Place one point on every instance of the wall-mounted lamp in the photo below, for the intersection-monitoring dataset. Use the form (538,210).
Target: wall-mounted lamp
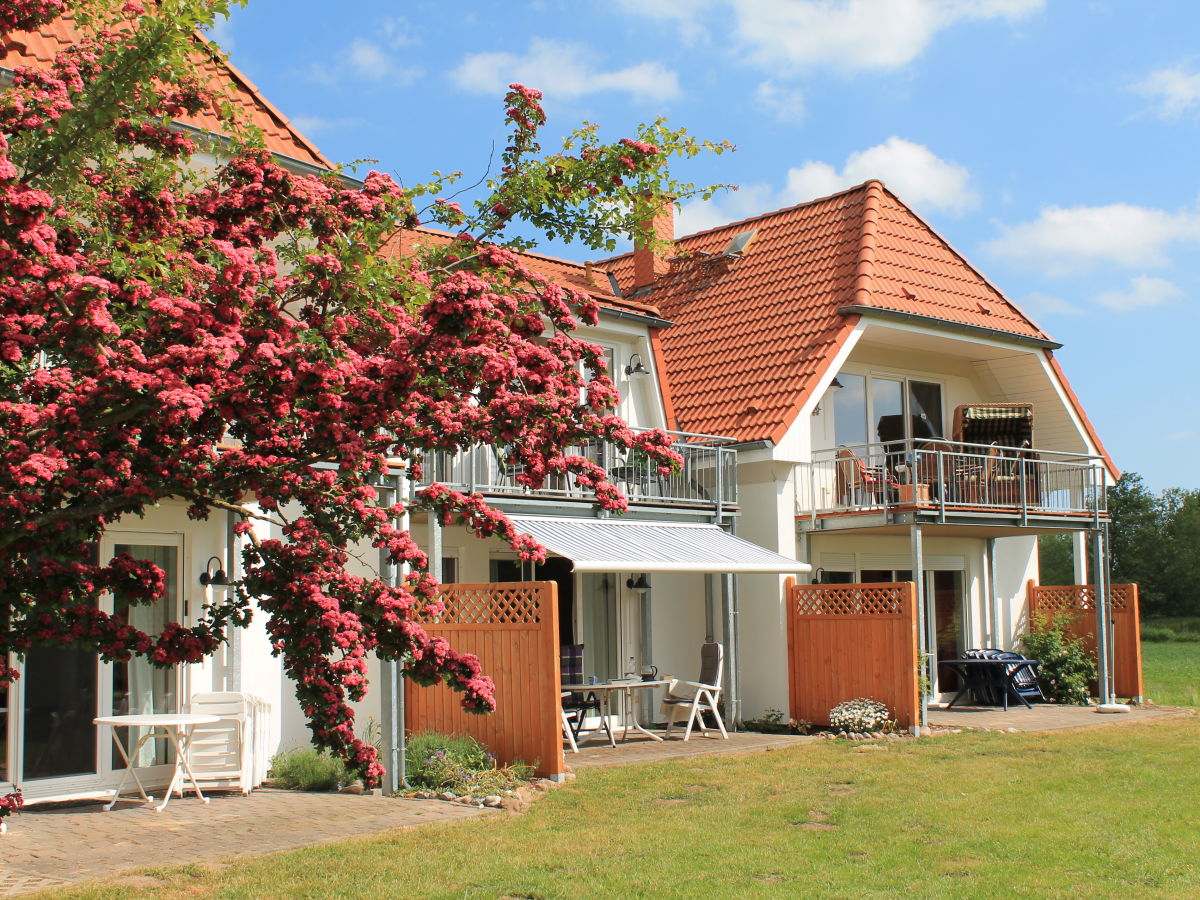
(641,583)
(637,368)
(834,385)
(211,576)
(818,576)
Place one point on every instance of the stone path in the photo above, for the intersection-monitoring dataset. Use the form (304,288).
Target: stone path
(1045,717)
(54,847)
(597,752)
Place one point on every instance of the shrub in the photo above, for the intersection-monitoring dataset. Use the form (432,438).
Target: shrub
(308,769)
(443,760)
(772,722)
(1156,634)
(859,715)
(1065,670)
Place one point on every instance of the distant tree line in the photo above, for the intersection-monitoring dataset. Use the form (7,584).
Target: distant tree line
(1155,543)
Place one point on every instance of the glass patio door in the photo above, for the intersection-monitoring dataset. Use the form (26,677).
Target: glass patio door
(61,690)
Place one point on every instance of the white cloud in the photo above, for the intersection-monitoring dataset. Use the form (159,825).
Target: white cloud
(310,125)
(221,32)
(844,34)
(1143,291)
(914,172)
(1175,90)
(1181,436)
(371,58)
(565,69)
(748,200)
(1060,241)
(918,175)
(786,104)
(1038,304)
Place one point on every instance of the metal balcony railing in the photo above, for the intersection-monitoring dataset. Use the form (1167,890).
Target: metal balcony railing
(925,474)
(707,478)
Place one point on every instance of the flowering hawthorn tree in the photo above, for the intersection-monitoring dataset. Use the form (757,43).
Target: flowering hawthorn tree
(240,337)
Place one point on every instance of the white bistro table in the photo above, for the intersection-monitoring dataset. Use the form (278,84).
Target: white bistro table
(604,694)
(175,727)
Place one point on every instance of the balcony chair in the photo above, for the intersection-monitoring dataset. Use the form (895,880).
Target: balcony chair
(1006,484)
(858,483)
(697,697)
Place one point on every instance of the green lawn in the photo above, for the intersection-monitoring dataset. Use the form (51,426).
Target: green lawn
(1171,673)
(1108,812)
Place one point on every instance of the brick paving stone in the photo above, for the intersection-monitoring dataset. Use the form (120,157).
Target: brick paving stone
(53,846)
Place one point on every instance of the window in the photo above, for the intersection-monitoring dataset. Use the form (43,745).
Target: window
(874,408)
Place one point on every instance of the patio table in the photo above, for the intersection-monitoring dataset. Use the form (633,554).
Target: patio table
(175,727)
(604,692)
(987,679)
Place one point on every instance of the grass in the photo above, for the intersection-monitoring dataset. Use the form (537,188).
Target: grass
(1100,813)
(1171,673)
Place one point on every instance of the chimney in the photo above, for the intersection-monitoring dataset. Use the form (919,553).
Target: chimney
(649,263)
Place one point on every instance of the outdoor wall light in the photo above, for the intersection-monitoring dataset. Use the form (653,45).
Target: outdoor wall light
(641,583)
(208,576)
(637,368)
(834,385)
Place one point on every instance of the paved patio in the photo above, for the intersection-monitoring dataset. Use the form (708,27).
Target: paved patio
(56,846)
(640,749)
(1045,717)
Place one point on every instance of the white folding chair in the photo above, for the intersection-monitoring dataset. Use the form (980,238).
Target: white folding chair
(697,697)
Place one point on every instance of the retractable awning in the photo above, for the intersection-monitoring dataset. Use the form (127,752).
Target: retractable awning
(607,546)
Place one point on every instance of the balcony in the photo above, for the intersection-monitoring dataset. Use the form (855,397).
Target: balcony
(706,480)
(936,480)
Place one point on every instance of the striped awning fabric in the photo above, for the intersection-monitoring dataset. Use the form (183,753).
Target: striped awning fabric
(998,412)
(606,546)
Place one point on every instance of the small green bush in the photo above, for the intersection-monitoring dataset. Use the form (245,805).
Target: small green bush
(772,722)
(1065,670)
(308,769)
(1155,634)
(440,760)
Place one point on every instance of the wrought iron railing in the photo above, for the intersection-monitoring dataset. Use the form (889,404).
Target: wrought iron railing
(942,475)
(708,476)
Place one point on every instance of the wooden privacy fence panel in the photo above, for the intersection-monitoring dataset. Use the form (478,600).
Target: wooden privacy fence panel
(513,629)
(1079,600)
(852,640)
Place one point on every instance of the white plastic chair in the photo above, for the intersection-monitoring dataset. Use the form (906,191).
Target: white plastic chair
(697,697)
(231,751)
(567,715)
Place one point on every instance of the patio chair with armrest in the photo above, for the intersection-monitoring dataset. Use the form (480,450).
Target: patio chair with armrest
(697,697)
(857,482)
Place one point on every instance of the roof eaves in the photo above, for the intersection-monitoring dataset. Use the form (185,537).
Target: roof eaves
(893,315)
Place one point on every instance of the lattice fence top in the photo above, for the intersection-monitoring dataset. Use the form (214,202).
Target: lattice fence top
(495,604)
(850,599)
(1079,597)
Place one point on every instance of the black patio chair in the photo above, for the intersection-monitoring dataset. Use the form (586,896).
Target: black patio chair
(1019,679)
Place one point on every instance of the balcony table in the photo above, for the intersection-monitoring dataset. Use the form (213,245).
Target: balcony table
(175,727)
(604,691)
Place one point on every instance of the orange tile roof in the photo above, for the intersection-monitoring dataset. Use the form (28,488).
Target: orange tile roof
(39,48)
(564,272)
(753,335)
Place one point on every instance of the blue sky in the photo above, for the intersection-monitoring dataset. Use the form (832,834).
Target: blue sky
(1052,142)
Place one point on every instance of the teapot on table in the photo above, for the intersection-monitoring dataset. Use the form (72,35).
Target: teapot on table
(649,673)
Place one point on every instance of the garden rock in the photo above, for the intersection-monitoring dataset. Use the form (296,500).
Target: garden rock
(493,801)
(447,795)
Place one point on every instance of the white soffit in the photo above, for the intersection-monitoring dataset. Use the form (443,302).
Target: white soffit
(607,546)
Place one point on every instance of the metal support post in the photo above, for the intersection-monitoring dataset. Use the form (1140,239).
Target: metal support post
(924,663)
(994,636)
(1103,675)
(732,685)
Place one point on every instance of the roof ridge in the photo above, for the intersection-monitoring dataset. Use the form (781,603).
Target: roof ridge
(864,273)
(962,259)
(763,215)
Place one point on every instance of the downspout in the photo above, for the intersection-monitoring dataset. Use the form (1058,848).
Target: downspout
(1101,573)
(233,676)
